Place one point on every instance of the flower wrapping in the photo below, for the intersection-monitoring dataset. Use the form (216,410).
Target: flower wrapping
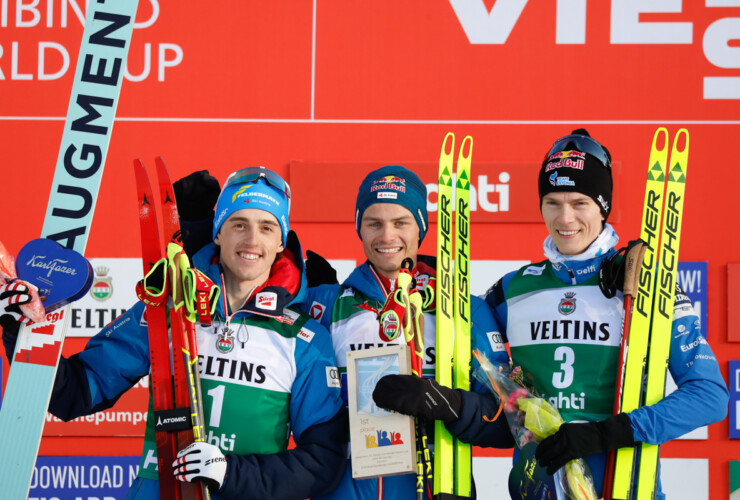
(531,418)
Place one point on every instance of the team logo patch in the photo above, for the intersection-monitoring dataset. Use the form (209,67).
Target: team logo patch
(390,325)
(497,341)
(422,281)
(560,181)
(387,196)
(567,154)
(567,304)
(389,183)
(604,204)
(305,334)
(565,163)
(102,287)
(266,300)
(284,319)
(534,270)
(224,343)
(240,191)
(332,377)
(566,159)
(317,311)
(288,317)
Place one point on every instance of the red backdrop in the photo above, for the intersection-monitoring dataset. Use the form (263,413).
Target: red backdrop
(318,89)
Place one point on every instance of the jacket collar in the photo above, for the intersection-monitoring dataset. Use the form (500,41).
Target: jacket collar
(285,285)
(371,284)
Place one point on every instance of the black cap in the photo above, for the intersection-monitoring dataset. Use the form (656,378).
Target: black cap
(578,163)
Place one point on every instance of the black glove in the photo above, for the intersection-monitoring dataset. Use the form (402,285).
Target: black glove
(611,270)
(319,271)
(573,441)
(418,397)
(196,195)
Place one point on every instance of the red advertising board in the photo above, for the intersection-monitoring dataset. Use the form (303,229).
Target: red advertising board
(322,91)
(499,192)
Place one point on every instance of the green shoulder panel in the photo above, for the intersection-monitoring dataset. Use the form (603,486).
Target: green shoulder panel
(350,302)
(538,276)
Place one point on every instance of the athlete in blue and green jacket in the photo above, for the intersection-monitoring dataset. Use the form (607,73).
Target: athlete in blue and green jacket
(565,333)
(391,220)
(266,368)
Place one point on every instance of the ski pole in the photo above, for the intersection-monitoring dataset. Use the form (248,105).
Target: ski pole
(183,339)
(633,264)
(414,336)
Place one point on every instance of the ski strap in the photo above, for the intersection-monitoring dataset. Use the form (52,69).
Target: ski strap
(430,295)
(201,295)
(152,289)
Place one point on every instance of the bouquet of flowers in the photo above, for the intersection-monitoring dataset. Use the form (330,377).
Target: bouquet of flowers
(531,419)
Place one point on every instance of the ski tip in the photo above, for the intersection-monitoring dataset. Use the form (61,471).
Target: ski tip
(467,145)
(681,142)
(448,145)
(660,137)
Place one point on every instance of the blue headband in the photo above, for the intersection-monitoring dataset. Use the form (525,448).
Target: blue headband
(397,185)
(258,188)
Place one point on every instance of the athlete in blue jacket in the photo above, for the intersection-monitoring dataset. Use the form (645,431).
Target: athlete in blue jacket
(566,333)
(266,368)
(391,221)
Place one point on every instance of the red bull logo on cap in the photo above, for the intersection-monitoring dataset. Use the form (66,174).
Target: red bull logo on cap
(566,159)
(390,182)
(567,154)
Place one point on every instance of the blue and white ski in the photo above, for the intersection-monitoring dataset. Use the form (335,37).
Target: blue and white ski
(79,169)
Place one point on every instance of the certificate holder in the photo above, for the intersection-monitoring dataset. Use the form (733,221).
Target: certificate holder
(383,443)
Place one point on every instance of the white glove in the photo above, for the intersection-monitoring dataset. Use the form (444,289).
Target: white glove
(12,296)
(201,462)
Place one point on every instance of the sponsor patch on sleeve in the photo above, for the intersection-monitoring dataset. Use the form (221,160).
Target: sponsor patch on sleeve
(305,334)
(317,310)
(534,270)
(497,341)
(332,377)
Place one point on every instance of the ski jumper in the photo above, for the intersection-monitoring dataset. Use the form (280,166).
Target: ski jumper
(566,334)
(274,375)
(350,313)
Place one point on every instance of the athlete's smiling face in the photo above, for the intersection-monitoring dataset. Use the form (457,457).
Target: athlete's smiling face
(250,239)
(389,235)
(573,220)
